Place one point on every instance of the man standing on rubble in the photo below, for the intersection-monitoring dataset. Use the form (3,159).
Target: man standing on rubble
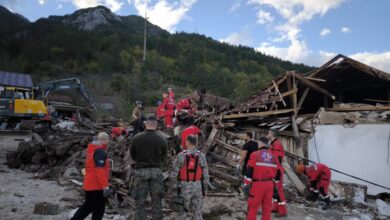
(319,180)
(148,149)
(137,117)
(96,177)
(249,147)
(258,182)
(190,174)
(278,151)
(169,107)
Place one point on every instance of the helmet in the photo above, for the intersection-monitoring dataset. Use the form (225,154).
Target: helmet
(138,102)
(300,168)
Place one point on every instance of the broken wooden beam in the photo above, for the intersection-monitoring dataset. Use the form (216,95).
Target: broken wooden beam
(294,178)
(258,114)
(278,91)
(228,147)
(314,86)
(302,99)
(222,159)
(362,108)
(224,176)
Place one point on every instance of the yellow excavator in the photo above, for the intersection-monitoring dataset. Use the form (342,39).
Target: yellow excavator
(24,108)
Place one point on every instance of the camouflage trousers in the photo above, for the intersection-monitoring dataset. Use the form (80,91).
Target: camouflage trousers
(148,180)
(193,200)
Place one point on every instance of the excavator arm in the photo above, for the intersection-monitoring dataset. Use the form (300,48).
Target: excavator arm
(67,84)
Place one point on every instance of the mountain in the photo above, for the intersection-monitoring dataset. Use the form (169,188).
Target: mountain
(10,22)
(106,50)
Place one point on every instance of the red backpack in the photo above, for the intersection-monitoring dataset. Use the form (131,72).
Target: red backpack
(191,170)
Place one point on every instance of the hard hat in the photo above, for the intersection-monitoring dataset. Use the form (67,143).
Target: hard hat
(138,102)
(300,168)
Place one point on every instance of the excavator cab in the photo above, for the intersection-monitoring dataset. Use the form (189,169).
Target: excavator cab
(18,104)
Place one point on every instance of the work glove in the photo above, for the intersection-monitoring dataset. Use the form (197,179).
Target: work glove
(107,192)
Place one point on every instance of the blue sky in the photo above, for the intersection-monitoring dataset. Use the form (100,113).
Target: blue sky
(307,31)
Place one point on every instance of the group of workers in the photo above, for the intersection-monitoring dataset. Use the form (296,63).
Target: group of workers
(261,164)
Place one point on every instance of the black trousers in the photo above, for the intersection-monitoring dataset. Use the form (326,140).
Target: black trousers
(94,203)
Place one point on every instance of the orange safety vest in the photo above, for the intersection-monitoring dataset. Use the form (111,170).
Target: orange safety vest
(191,170)
(96,178)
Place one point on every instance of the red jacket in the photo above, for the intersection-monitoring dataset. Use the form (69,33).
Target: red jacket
(160,111)
(169,104)
(192,130)
(171,95)
(262,166)
(117,131)
(97,168)
(317,172)
(277,150)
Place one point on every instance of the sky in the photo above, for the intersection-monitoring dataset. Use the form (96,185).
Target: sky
(302,31)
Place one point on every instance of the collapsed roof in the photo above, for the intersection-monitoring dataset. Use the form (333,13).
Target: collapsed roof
(15,79)
(341,80)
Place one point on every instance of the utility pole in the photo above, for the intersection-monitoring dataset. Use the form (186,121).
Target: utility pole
(145,27)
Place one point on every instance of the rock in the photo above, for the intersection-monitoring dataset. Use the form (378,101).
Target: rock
(12,160)
(71,172)
(37,138)
(18,195)
(44,208)
(217,210)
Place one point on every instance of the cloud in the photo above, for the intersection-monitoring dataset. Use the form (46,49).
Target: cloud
(236,5)
(345,30)
(41,2)
(59,6)
(264,17)
(114,5)
(294,13)
(325,32)
(162,13)
(239,38)
(378,60)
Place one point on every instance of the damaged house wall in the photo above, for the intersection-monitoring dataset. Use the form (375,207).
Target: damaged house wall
(360,151)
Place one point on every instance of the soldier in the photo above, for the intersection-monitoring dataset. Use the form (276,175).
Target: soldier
(148,149)
(192,174)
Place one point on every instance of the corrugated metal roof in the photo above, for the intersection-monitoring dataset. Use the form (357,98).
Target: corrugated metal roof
(16,79)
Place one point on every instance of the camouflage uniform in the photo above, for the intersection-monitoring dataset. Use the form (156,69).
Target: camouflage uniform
(191,191)
(148,180)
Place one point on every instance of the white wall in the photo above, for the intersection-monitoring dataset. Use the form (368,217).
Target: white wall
(360,151)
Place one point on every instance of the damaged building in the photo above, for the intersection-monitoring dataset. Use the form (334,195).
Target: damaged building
(338,114)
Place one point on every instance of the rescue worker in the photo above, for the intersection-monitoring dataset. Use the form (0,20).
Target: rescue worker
(169,108)
(191,130)
(160,113)
(184,106)
(191,173)
(249,147)
(262,171)
(137,117)
(118,131)
(171,93)
(319,176)
(96,175)
(277,149)
(148,149)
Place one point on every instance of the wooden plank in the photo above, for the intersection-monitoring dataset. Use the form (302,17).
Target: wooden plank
(294,178)
(222,159)
(224,176)
(363,108)
(278,91)
(302,99)
(290,92)
(209,141)
(294,95)
(257,114)
(315,79)
(278,82)
(314,86)
(228,147)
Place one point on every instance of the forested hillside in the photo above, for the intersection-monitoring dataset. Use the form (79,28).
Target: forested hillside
(106,51)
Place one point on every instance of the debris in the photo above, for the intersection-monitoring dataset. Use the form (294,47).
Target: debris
(44,208)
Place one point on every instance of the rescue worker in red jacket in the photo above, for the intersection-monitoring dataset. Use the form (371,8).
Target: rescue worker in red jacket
(160,111)
(118,131)
(278,150)
(184,106)
(171,93)
(190,131)
(261,173)
(95,185)
(319,176)
(169,108)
